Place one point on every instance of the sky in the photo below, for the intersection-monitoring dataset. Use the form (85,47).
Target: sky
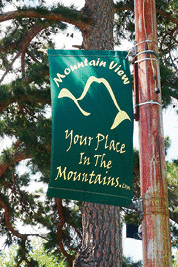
(132,248)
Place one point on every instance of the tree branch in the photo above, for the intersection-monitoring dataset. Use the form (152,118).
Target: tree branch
(9,67)
(18,156)
(23,45)
(39,99)
(167,15)
(60,14)
(23,62)
(60,226)
(15,232)
(7,219)
(23,257)
(173,216)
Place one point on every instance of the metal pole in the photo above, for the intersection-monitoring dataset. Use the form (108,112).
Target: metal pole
(155,225)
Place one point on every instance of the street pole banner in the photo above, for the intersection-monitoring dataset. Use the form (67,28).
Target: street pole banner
(92,126)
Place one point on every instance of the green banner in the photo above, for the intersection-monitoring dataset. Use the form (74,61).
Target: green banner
(92,126)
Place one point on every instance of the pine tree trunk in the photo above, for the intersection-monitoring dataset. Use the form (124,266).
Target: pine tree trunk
(102,241)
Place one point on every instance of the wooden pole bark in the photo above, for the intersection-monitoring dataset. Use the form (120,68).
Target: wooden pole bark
(155,226)
(102,239)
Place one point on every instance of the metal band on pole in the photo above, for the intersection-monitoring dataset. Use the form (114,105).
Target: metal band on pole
(149,102)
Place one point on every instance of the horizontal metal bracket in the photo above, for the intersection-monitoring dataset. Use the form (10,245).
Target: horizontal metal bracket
(145,41)
(152,52)
(147,58)
(149,102)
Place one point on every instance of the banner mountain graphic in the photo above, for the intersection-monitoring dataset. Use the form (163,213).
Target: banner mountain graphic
(121,115)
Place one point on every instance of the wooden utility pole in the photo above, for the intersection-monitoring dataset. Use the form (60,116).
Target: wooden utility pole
(154,193)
